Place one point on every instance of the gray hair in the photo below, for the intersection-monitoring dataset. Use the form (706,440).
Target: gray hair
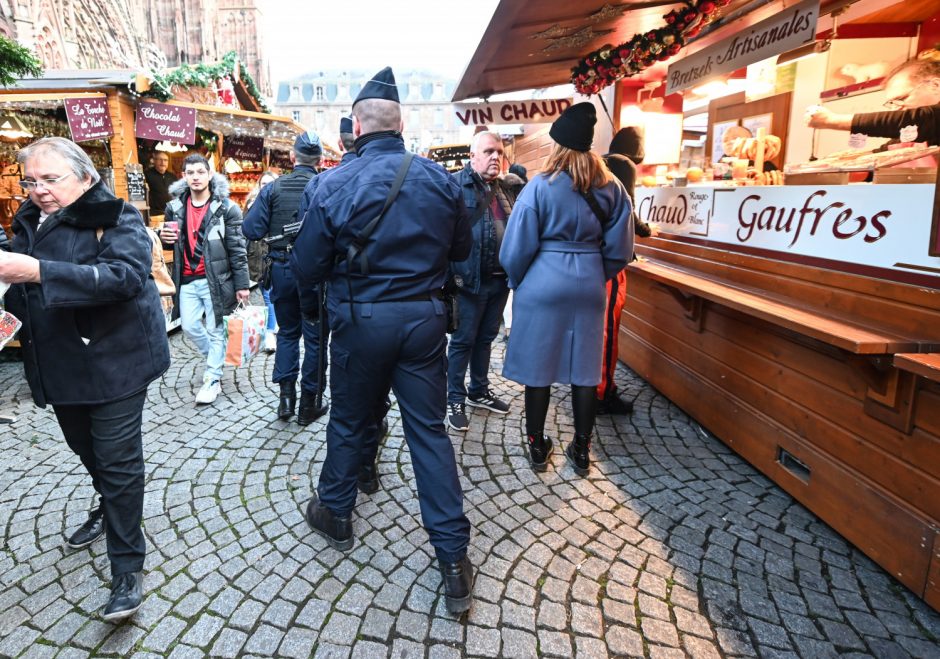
(475,143)
(78,160)
(375,114)
(309,161)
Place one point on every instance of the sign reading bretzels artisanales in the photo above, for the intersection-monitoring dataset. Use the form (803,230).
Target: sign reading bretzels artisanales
(792,27)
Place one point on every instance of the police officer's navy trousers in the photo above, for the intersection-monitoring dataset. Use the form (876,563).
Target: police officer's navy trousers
(107,439)
(398,345)
(291,328)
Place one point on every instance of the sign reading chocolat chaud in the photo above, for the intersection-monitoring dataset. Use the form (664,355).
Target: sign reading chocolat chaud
(538,111)
(88,118)
(243,147)
(785,30)
(159,121)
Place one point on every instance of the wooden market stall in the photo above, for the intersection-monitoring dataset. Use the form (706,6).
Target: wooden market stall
(799,323)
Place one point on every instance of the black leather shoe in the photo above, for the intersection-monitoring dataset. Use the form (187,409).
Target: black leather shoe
(579,452)
(540,449)
(614,405)
(127,594)
(458,584)
(91,530)
(287,401)
(336,530)
(308,412)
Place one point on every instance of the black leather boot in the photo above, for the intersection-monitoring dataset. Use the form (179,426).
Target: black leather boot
(336,530)
(579,452)
(308,412)
(458,584)
(369,472)
(287,401)
(126,596)
(540,449)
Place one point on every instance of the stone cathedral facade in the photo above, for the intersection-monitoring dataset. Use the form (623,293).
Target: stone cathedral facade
(154,34)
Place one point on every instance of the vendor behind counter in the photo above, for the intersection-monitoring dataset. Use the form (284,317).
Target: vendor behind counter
(913,91)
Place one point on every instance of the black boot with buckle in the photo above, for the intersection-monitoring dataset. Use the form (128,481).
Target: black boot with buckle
(287,401)
(579,452)
(540,450)
(309,411)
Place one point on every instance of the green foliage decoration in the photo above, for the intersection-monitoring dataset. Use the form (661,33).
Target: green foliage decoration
(16,61)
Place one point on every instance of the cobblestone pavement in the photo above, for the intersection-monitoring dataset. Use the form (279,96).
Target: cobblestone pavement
(672,547)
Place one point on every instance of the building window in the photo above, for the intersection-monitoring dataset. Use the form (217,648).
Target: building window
(415,121)
(321,119)
(295,93)
(295,115)
(439,118)
(319,93)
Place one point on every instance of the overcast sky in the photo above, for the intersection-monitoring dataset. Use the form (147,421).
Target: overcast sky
(314,35)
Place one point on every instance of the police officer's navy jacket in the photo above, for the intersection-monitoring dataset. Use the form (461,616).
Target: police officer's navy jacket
(408,252)
(274,214)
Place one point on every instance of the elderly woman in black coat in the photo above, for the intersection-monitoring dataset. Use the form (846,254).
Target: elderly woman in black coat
(93,338)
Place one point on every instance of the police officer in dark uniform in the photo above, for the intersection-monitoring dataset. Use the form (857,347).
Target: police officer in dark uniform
(347,141)
(388,322)
(274,217)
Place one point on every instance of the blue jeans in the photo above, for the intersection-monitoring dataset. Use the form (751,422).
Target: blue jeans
(472,342)
(272,319)
(209,338)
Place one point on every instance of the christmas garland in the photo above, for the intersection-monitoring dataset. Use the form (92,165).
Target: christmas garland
(608,64)
(202,75)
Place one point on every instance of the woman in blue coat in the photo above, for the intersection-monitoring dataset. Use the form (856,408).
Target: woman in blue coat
(559,253)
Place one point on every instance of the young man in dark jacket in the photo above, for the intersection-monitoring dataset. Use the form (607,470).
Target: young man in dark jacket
(210,264)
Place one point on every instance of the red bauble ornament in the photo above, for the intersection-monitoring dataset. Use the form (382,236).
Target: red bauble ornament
(707,7)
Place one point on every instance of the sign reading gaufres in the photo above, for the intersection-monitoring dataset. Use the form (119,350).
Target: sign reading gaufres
(160,121)
(540,111)
(881,230)
(792,27)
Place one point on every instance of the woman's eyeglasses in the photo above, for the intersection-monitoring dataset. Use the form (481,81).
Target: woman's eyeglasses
(43,182)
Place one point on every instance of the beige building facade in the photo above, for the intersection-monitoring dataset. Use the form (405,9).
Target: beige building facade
(320,99)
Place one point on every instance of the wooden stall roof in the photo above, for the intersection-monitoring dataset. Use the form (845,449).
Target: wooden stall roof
(277,129)
(532,45)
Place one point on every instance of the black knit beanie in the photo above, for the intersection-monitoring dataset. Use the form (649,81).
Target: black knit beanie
(574,129)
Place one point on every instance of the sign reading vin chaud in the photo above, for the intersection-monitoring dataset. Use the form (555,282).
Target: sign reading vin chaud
(781,32)
(533,111)
(882,230)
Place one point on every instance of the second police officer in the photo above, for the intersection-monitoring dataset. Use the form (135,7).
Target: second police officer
(274,218)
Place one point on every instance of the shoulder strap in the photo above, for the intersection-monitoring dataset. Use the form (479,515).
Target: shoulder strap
(357,246)
(596,208)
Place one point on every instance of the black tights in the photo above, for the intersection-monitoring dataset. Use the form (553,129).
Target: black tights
(583,400)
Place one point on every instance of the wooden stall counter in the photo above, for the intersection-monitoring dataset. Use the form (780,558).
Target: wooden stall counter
(767,315)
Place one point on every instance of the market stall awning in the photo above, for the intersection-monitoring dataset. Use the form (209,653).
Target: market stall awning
(532,45)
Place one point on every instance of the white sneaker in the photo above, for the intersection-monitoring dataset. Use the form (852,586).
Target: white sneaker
(209,392)
(270,341)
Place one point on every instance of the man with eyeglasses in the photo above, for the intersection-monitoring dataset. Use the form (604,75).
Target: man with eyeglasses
(913,92)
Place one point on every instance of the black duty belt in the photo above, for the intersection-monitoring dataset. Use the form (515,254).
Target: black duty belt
(420,297)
